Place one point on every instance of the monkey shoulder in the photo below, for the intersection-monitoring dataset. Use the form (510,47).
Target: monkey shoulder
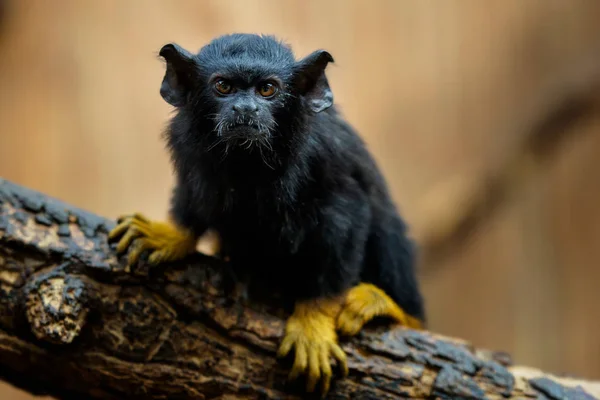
(344,160)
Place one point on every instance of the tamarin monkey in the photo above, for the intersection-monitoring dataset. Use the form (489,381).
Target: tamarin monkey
(262,157)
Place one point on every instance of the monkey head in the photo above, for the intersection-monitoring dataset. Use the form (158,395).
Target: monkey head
(245,89)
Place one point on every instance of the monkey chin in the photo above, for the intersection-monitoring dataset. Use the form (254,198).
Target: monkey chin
(243,131)
(247,137)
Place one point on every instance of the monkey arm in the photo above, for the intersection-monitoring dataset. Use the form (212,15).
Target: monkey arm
(165,240)
(334,253)
(389,285)
(330,259)
(365,302)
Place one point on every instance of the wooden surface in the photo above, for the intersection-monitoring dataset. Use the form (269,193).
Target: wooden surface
(75,322)
(435,88)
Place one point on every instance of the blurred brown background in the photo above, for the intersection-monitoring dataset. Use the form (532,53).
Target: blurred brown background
(441,92)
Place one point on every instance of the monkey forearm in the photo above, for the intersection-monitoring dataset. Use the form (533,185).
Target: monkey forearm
(166,241)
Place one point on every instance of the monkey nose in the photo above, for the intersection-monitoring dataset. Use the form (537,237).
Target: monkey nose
(245,108)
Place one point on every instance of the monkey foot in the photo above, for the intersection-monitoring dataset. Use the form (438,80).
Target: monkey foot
(365,302)
(164,240)
(311,331)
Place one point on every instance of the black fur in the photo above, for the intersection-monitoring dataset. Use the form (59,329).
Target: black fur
(298,201)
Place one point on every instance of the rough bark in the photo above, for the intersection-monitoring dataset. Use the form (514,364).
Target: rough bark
(74,323)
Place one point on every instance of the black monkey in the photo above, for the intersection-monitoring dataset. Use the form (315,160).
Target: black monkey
(262,157)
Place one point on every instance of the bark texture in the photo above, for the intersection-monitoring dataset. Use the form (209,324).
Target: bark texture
(75,323)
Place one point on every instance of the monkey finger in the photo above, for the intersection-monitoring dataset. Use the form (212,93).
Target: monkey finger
(142,227)
(414,323)
(340,356)
(285,346)
(345,321)
(132,217)
(158,256)
(140,217)
(400,317)
(118,230)
(122,218)
(300,362)
(126,240)
(136,250)
(351,326)
(325,372)
(314,372)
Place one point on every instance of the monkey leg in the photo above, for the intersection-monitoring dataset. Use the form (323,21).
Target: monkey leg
(365,302)
(164,240)
(311,331)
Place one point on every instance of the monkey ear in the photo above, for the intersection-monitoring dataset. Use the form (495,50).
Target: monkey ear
(178,75)
(312,82)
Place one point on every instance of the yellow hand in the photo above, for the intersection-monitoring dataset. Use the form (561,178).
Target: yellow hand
(311,331)
(365,302)
(166,241)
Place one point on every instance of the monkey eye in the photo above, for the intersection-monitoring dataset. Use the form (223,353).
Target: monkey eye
(267,89)
(223,86)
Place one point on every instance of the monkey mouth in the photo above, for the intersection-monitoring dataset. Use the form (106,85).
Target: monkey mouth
(240,132)
(248,135)
(242,128)
(246,125)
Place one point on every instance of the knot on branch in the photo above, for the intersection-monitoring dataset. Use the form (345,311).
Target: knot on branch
(55,307)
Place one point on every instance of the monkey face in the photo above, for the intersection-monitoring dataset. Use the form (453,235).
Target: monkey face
(246,106)
(245,89)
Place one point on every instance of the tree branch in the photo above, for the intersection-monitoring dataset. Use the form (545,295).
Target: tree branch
(75,323)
